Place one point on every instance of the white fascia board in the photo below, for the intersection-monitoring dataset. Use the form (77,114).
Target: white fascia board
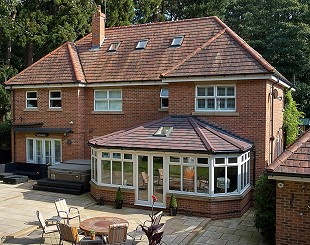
(91,85)
(284,84)
(217,78)
(288,178)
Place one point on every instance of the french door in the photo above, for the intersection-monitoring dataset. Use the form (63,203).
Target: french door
(43,151)
(150,180)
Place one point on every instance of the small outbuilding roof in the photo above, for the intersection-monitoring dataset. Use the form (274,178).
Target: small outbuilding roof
(184,134)
(295,161)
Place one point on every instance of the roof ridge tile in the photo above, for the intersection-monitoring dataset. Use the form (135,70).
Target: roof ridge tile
(203,138)
(79,77)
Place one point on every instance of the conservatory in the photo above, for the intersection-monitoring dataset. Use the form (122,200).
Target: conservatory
(180,155)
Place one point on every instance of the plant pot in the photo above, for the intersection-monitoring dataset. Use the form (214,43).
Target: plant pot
(119,204)
(173,211)
(92,236)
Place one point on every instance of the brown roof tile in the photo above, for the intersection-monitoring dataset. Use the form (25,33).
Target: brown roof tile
(294,160)
(60,66)
(209,48)
(189,134)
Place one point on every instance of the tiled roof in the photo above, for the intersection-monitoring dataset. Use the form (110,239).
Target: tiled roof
(209,48)
(295,160)
(60,66)
(188,134)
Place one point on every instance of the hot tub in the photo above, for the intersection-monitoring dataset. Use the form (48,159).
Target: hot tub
(77,170)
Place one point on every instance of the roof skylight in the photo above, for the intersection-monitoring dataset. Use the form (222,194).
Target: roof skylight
(163,131)
(142,44)
(114,46)
(177,41)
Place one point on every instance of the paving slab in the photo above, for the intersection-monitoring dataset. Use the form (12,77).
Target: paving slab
(19,224)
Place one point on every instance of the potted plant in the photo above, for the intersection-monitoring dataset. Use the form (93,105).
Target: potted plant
(173,205)
(119,199)
(92,235)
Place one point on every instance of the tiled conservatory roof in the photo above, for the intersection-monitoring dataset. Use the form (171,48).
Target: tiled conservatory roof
(188,134)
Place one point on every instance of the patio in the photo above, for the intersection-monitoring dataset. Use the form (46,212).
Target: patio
(20,226)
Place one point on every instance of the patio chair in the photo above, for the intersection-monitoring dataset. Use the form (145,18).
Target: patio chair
(117,234)
(69,234)
(66,212)
(145,179)
(46,229)
(161,175)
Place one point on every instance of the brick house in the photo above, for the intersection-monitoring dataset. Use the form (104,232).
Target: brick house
(291,171)
(198,71)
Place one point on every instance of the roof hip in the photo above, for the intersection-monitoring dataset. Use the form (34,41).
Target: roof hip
(195,52)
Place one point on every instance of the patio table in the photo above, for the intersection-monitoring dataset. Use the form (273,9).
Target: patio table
(100,224)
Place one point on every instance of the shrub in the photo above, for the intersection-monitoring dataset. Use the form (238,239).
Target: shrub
(119,195)
(173,202)
(265,208)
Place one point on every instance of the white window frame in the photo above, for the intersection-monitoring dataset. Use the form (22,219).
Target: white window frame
(215,97)
(55,98)
(108,99)
(123,161)
(34,150)
(162,96)
(28,99)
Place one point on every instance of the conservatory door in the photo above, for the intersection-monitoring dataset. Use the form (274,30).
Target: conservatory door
(150,179)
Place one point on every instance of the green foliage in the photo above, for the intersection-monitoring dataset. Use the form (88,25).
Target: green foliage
(119,195)
(5,135)
(173,202)
(119,13)
(302,96)
(265,208)
(291,119)
(4,101)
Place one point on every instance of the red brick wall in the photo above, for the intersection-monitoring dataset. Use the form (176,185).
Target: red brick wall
(216,208)
(293,214)
(140,105)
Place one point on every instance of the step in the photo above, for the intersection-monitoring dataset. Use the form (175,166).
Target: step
(57,189)
(61,184)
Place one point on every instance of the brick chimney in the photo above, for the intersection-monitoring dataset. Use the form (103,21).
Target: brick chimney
(98,28)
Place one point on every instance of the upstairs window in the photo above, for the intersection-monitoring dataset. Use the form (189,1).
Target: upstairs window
(177,41)
(108,100)
(164,98)
(31,99)
(142,44)
(114,46)
(55,99)
(216,98)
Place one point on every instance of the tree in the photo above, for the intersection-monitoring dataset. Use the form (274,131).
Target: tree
(119,13)
(148,11)
(265,208)
(279,30)
(291,119)
(4,101)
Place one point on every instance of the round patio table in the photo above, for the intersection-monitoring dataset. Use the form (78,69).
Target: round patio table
(100,224)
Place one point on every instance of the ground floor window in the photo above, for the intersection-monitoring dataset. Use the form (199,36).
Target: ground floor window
(43,151)
(117,168)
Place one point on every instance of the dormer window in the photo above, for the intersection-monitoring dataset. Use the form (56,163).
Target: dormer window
(142,44)
(114,46)
(177,41)
(163,131)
